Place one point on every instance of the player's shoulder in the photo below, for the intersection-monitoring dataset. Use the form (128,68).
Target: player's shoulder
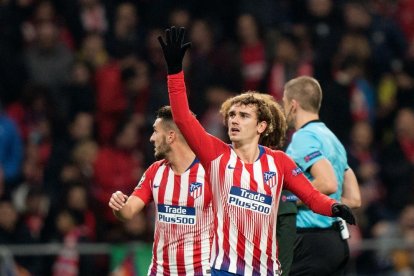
(157,164)
(305,132)
(304,137)
(275,152)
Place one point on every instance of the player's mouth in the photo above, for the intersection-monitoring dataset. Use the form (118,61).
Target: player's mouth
(234,130)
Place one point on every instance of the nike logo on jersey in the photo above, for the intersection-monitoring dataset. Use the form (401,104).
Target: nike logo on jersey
(156,186)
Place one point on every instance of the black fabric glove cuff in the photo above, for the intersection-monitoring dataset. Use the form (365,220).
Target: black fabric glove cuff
(172,70)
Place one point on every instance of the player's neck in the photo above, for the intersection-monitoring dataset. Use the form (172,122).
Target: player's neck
(247,153)
(304,117)
(180,159)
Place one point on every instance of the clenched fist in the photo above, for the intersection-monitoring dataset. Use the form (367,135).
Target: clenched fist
(117,200)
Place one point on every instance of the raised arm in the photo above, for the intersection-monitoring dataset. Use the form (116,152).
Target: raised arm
(205,146)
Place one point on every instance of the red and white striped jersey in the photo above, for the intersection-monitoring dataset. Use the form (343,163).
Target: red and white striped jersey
(245,196)
(184,218)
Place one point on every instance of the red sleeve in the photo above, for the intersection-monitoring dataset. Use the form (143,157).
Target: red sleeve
(204,145)
(296,182)
(143,190)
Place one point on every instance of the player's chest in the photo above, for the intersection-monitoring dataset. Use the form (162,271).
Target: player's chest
(252,177)
(188,189)
(251,186)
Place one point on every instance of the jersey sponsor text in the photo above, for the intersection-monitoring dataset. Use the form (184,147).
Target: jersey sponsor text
(247,199)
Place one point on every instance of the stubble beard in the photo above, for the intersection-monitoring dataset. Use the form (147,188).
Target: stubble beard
(162,150)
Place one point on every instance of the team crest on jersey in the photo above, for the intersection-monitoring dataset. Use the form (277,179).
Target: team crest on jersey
(196,189)
(269,178)
(140,182)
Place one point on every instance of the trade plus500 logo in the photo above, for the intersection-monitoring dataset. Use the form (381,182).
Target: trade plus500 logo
(176,214)
(250,200)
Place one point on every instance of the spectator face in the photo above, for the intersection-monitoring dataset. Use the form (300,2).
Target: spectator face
(405,124)
(201,35)
(320,8)
(180,17)
(286,51)
(356,17)
(77,198)
(82,126)
(84,154)
(80,74)
(247,29)
(64,222)
(44,12)
(362,135)
(8,216)
(126,17)
(128,138)
(47,35)
(407,219)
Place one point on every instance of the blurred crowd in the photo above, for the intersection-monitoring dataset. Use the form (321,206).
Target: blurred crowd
(80,82)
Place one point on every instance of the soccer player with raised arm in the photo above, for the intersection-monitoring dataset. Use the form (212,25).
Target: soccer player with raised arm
(178,185)
(246,178)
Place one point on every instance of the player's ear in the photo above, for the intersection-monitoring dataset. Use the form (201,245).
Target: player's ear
(171,136)
(295,104)
(261,127)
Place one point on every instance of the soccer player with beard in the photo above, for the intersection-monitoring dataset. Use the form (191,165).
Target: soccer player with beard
(178,185)
(246,178)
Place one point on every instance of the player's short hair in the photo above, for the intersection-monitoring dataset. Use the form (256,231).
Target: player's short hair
(306,91)
(165,114)
(267,109)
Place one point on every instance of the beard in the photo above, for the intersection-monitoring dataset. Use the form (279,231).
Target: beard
(162,150)
(290,121)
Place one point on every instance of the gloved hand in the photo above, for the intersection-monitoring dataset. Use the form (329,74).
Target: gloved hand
(174,49)
(343,211)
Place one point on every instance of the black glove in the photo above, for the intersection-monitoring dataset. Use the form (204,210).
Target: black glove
(343,211)
(174,49)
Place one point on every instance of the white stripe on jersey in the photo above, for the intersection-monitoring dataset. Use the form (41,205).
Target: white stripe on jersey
(217,201)
(160,241)
(184,224)
(255,223)
(272,167)
(233,238)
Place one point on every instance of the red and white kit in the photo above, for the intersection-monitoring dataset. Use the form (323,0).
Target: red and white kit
(184,217)
(245,196)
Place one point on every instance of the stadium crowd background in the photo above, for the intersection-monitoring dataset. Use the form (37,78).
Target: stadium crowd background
(80,82)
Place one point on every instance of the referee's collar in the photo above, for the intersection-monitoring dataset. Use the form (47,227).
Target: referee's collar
(310,122)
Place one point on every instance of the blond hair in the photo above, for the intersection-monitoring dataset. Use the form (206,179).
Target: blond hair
(306,91)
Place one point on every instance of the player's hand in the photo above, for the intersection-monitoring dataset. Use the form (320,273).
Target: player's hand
(343,211)
(174,49)
(117,201)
